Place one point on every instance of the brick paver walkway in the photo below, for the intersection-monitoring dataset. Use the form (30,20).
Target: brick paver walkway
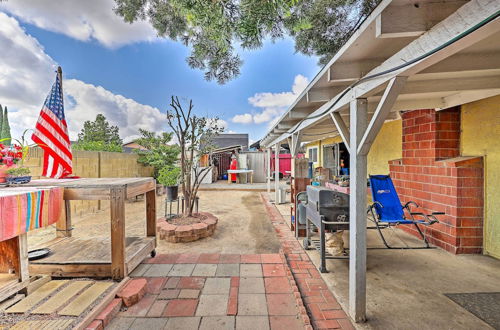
(214,291)
(232,291)
(322,307)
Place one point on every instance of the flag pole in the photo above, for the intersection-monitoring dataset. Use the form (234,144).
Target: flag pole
(59,74)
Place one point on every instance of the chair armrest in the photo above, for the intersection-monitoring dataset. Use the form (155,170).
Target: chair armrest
(429,219)
(407,205)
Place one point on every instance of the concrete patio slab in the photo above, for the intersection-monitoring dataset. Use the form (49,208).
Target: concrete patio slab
(217,322)
(217,286)
(252,304)
(212,305)
(252,323)
(228,270)
(252,285)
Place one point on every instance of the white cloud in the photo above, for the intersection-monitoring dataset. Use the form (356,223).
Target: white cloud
(82,20)
(27,73)
(123,112)
(243,119)
(271,105)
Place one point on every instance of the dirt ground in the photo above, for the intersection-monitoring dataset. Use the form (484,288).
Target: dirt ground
(243,225)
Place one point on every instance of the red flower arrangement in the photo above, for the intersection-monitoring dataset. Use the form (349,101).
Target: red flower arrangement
(10,155)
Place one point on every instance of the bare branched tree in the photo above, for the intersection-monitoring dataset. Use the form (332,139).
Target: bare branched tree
(195,135)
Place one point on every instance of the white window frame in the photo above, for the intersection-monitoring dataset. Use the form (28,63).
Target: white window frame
(313,151)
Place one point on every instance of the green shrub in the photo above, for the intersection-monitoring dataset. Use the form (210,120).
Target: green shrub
(18,171)
(169,176)
(97,146)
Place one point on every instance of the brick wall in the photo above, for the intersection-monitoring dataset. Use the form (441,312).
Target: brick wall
(433,174)
(93,164)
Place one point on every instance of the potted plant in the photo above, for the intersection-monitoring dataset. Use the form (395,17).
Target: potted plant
(9,156)
(17,175)
(169,176)
(157,151)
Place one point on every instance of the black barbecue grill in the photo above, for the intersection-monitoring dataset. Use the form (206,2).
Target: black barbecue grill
(327,210)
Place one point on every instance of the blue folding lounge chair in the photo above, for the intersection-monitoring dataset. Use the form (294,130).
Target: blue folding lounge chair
(388,211)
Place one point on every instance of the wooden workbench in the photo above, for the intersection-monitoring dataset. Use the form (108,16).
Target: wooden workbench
(113,257)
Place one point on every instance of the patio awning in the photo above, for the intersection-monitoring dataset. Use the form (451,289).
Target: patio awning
(404,56)
(448,51)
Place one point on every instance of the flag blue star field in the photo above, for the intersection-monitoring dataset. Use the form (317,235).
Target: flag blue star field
(51,134)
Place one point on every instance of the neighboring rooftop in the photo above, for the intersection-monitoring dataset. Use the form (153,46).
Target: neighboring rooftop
(229,140)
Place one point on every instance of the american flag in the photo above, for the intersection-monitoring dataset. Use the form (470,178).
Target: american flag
(51,134)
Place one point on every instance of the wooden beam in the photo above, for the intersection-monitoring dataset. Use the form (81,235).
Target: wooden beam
(284,126)
(414,19)
(323,94)
(466,62)
(341,128)
(452,83)
(345,73)
(384,107)
(357,213)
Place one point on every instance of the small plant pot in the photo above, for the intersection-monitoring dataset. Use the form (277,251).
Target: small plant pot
(18,179)
(172,193)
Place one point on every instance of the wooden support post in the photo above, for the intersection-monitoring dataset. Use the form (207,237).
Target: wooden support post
(276,172)
(268,159)
(151,213)
(357,212)
(341,127)
(23,257)
(385,105)
(117,205)
(63,225)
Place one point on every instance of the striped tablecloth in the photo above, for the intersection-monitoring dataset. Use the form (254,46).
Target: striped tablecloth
(26,208)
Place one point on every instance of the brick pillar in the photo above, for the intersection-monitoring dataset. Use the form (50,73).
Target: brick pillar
(433,174)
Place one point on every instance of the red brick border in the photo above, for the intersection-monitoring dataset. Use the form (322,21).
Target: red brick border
(188,233)
(316,303)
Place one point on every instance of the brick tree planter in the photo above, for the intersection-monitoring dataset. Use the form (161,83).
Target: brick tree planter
(187,233)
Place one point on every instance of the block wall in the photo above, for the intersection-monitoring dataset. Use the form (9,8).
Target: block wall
(93,164)
(434,175)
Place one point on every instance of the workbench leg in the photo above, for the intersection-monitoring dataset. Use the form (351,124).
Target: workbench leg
(23,257)
(117,205)
(63,225)
(151,213)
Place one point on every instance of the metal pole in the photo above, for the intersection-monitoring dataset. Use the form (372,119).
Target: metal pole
(268,160)
(276,172)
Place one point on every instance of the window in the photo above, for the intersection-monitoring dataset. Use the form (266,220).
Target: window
(313,155)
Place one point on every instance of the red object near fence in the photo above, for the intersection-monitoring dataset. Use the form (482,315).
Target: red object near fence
(285,163)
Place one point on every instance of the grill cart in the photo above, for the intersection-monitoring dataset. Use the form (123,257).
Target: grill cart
(326,210)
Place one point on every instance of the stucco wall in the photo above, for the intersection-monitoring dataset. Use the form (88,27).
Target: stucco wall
(387,146)
(480,137)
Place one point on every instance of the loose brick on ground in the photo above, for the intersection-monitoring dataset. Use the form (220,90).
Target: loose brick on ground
(133,291)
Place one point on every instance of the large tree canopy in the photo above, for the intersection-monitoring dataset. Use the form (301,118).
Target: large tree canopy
(215,28)
(99,135)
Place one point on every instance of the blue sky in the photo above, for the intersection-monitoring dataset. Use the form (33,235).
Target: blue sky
(143,73)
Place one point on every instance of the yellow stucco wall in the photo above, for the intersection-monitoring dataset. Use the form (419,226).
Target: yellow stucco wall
(387,146)
(480,137)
